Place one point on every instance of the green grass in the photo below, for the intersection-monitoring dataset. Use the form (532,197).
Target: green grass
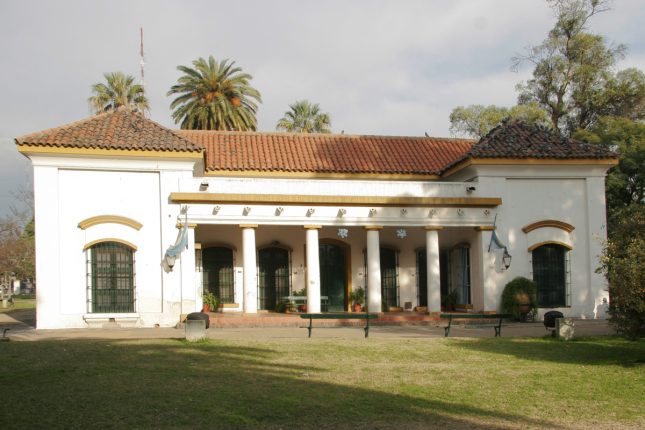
(323,383)
(21,302)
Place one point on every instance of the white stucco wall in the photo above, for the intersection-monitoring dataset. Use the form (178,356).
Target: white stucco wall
(69,190)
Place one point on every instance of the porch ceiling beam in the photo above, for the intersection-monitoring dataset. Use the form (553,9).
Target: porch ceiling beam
(288,199)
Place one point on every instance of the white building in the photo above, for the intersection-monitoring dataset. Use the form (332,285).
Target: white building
(408,218)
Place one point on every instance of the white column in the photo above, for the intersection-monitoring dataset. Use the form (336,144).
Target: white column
(433,272)
(250,269)
(313,269)
(373,269)
(190,300)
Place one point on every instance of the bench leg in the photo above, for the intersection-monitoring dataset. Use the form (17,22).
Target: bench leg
(367,327)
(498,329)
(447,329)
(309,328)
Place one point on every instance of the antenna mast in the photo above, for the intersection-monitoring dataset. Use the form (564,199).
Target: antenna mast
(142,62)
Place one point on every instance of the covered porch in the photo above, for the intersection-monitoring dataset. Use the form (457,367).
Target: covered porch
(407,258)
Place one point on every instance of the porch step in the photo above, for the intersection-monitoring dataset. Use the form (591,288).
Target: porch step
(235,320)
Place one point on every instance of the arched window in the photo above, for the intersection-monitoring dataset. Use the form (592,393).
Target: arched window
(110,277)
(550,273)
(218,273)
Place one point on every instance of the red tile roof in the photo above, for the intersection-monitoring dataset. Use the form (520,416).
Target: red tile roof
(326,153)
(120,129)
(229,151)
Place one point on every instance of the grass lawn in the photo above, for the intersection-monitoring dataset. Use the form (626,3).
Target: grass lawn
(324,383)
(21,302)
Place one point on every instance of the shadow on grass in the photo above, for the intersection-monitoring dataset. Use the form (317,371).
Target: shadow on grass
(607,350)
(173,384)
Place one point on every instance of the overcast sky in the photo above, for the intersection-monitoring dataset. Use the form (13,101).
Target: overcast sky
(378,67)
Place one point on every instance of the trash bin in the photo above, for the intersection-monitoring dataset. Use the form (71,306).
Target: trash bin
(199,316)
(549,319)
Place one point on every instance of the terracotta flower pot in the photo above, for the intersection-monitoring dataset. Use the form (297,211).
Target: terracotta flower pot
(357,307)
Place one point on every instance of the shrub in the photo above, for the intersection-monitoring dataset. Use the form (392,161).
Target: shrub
(622,261)
(520,291)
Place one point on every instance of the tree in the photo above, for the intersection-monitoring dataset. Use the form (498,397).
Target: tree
(478,120)
(214,96)
(305,117)
(17,240)
(626,181)
(622,261)
(118,91)
(572,67)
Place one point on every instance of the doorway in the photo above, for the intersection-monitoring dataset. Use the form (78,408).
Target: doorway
(273,276)
(333,275)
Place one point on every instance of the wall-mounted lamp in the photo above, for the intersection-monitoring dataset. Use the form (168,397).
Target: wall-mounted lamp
(404,212)
(470,189)
(372,212)
(203,186)
(341,212)
(432,213)
(279,210)
(310,211)
(506,259)
(216,210)
(246,210)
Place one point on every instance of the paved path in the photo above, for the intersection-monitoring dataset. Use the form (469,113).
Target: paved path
(20,323)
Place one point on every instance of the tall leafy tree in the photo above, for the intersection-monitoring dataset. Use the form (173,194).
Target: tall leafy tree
(626,181)
(477,120)
(305,117)
(572,67)
(119,90)
(214,96)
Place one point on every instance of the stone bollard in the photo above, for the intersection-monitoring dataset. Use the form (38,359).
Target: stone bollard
(195,330)
(564,328)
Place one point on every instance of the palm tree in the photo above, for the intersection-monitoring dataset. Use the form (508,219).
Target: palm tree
(119,91)
(214,96)
(305,117)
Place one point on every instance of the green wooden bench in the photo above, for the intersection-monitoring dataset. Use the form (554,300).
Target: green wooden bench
(497,326)
(340,316)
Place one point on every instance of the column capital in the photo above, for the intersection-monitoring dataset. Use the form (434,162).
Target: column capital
(373,227)
(312,227)
(248,226)
(484,228)
(432,228)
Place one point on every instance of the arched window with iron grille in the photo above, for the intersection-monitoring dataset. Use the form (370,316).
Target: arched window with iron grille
(110,278)
(550,273)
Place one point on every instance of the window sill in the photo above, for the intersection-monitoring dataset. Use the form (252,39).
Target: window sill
(123,320)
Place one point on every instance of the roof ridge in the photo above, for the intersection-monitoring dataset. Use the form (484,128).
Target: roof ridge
(318,135)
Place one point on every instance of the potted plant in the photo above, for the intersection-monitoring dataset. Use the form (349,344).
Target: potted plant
(448,301)
(357,297)
(519,298)
(301,293)
(210,302)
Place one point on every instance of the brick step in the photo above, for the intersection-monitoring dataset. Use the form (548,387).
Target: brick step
(238,320)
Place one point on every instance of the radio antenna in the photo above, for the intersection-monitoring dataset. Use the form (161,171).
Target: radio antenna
(142,62)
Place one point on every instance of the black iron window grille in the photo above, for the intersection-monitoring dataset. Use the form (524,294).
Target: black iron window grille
(551,273)
(218,274)
(110,278)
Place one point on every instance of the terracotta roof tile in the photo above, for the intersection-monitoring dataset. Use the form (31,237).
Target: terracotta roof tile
(326,153)
(120,129)
(514,139)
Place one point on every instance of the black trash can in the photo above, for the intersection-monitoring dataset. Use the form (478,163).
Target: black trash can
(199,316)
(549,319)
